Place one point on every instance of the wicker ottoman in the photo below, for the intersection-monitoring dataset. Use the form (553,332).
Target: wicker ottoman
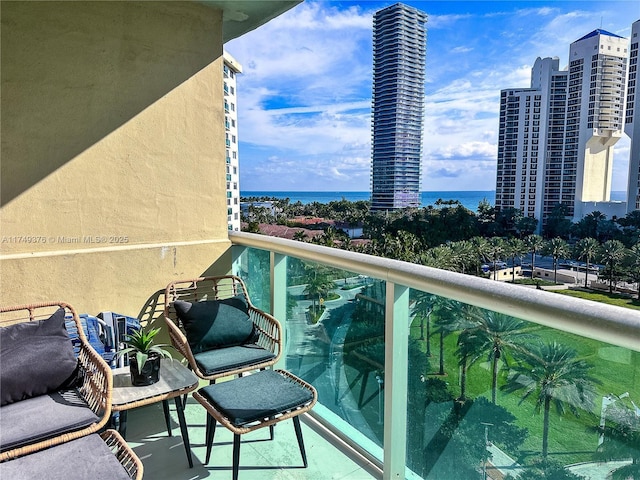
(255,401)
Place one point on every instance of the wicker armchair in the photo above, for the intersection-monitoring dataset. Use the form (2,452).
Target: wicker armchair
(54,426)
(262,352)
(104,455)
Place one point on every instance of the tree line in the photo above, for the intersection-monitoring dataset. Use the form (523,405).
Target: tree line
(450,236)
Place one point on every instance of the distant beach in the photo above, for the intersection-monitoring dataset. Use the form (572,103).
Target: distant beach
(469,199)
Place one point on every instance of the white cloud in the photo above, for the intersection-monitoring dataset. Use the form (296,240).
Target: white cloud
(305,94)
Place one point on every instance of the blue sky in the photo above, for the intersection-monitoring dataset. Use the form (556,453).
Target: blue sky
(304,98)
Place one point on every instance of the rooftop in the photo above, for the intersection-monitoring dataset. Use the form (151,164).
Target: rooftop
(598,31)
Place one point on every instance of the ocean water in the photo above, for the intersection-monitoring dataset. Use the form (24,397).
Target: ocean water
(469,199)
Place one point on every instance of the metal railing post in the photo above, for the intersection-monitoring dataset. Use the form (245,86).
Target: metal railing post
(396,338)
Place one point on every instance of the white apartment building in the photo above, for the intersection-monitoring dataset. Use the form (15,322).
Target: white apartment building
(632,122)
(231,69)
(556,138)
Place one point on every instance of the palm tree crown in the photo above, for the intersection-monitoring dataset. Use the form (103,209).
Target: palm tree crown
(494,334)
(552,372)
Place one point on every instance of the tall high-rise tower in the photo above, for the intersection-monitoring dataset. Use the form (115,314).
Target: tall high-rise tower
(399,53)
(632,121)
(556,138)
(230,69)
(595,108)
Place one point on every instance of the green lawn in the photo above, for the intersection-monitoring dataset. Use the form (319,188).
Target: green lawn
(604,297)
(571,438)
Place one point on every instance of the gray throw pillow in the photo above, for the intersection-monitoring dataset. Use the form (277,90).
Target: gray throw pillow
(36,357)
(215,324)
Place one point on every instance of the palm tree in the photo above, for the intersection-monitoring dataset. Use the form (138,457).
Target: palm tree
(633,264)
(464,255)
(494,335)
(495,250)
(587,249)
(552,373)
(447,321)
(612,253)
(514,247)
(466,345)
(534,243)
(557,248)
(423,307)
(300,235)
(480,247)
(318,284)
(441,257)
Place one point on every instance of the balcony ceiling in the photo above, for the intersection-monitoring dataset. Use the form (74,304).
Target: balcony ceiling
(242,16)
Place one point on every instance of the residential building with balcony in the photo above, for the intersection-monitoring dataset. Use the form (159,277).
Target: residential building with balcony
(231,69)
(556,139)
(399,55)
(112,187)
(632,121)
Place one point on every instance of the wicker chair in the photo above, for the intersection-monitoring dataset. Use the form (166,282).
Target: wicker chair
(261,353)
(104,456)
(92,394)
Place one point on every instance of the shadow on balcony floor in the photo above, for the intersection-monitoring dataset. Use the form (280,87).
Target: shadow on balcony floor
(260,459)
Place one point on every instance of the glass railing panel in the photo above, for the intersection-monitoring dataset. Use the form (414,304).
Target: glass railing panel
(253,266)
(500,396)
(460,422)
(334,331)
(335,341)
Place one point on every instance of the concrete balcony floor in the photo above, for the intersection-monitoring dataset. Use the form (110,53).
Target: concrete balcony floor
(164,457)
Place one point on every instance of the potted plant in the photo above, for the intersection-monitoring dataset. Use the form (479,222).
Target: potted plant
(145,364)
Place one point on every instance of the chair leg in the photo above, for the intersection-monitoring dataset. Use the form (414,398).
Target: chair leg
(183,430)
(167,419)
(211,430)
(296,425)
(236,455)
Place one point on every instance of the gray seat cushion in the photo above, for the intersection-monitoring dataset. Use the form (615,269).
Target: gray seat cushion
(43,417)
(223,359)
(254,397)
(82,459)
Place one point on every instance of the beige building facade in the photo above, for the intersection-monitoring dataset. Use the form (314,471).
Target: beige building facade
(113,154)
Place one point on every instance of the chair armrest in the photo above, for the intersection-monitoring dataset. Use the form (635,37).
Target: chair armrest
(127,458)
(97,385)
(180,343)
(269,331)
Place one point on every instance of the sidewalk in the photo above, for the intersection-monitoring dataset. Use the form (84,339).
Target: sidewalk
(503,463)
(596,471)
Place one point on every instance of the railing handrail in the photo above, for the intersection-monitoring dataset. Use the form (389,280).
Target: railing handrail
(608,323)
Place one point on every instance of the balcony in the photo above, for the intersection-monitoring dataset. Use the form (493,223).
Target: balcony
(366,357)
(370,377)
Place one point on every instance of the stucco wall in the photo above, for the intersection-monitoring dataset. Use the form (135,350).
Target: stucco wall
(112,171)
